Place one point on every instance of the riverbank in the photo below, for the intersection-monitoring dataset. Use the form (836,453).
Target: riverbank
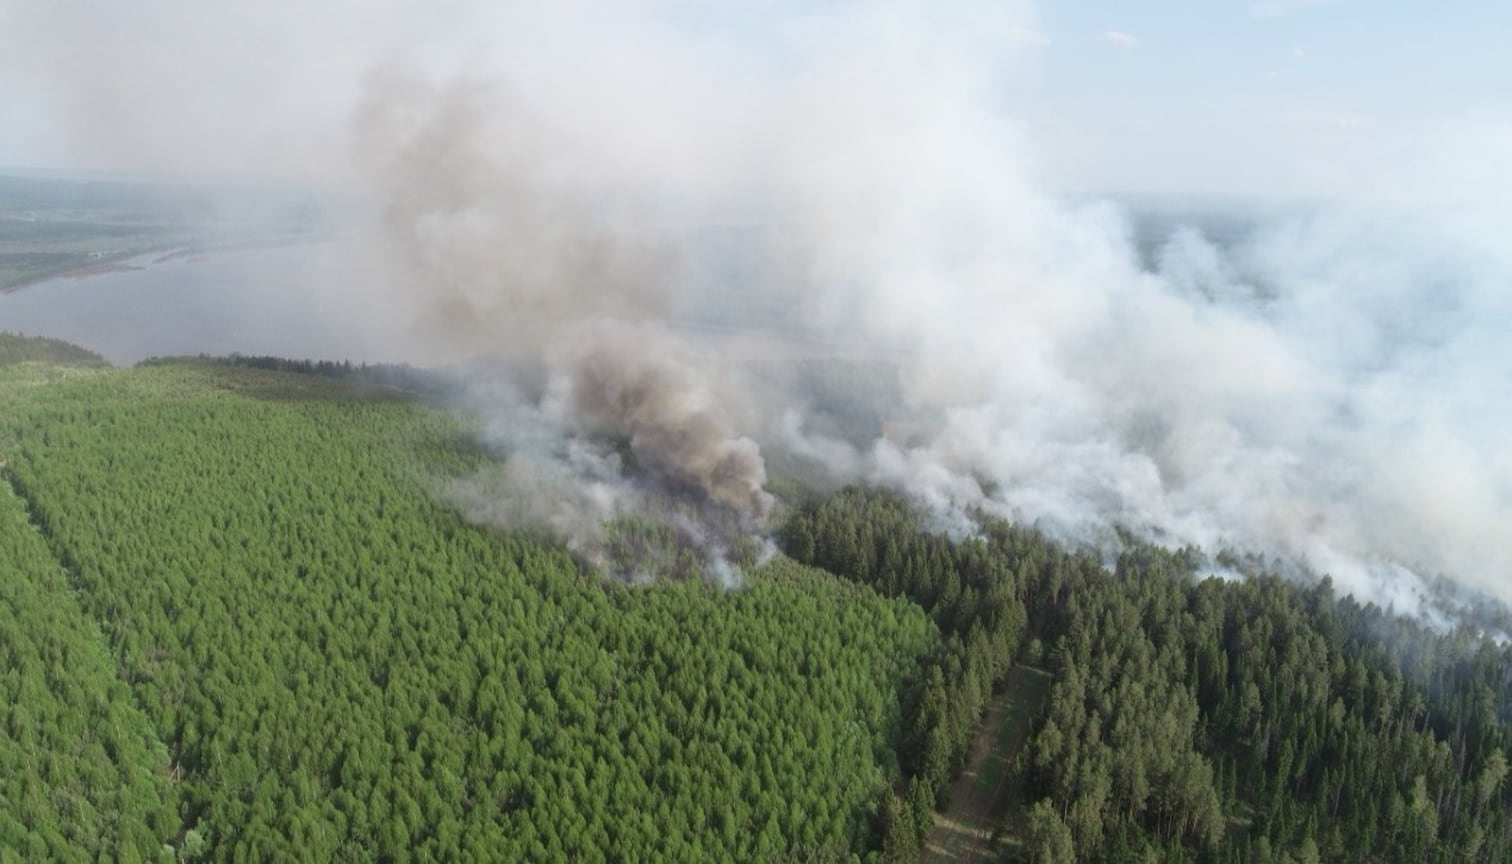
(142,258)
(95,267)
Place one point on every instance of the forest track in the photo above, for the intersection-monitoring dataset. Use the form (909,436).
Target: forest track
(963,832)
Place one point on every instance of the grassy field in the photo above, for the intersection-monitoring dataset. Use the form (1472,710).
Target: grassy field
(978,800)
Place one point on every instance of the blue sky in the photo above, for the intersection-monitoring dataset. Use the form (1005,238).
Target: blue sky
(1287,96)
(1309,98)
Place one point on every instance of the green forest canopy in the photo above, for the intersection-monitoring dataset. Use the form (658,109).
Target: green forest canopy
(333,665)
(236,619)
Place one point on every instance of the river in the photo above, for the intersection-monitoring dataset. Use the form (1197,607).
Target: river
(304,301)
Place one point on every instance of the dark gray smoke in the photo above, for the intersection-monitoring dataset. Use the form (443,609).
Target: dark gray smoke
(505,255)
(639,383)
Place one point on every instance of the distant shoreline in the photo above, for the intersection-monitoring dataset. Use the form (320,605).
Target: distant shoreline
(98,267)
(121,262)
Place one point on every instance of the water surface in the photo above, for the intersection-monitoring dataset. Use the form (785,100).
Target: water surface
(295,301)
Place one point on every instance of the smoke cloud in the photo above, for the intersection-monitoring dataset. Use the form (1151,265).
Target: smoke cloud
(505,254)
(659,225)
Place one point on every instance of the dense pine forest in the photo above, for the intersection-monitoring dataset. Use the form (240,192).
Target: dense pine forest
(244,625)
(1190,718)
(240,620)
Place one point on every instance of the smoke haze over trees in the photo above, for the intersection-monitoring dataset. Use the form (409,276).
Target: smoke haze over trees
(1327,386)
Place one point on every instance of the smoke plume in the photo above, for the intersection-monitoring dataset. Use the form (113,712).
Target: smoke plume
(685,246)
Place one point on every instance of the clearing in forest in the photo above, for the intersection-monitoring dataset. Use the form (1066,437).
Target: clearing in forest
(963,831)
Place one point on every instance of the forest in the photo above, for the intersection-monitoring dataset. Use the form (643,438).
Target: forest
(1189,719)
(240,620)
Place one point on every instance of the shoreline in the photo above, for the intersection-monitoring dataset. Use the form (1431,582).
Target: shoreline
(94,268)
(123,262)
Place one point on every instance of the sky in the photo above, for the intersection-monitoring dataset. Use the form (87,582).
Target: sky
(1296,97)
(1292,98)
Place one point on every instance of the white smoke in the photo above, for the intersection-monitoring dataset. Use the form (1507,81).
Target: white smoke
(1331,386)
